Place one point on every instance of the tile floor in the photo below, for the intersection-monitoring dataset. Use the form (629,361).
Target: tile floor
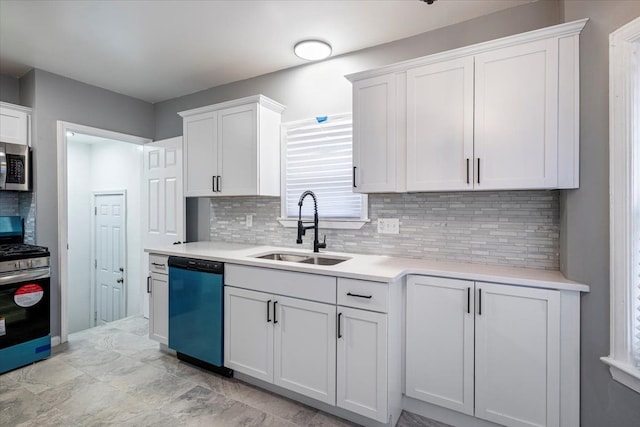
(115,375)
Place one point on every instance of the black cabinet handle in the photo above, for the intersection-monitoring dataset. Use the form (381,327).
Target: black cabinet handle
(468,300)
(268,317)
(339,325)
(359,296)
(148,284)
(478,170)
(274,312)
(479,302)
(219,180)
(467,171)
(354,177)
(157,265)
(213,184)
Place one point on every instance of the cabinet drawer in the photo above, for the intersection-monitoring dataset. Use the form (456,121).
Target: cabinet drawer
(363,294)
(298,285)
(158,264)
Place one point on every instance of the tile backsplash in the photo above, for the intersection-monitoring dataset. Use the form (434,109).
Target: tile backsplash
(515,228)
(22,204)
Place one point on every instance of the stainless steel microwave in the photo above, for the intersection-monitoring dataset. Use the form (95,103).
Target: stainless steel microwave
(15,167)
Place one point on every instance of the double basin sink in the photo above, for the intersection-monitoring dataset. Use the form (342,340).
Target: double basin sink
(316,259)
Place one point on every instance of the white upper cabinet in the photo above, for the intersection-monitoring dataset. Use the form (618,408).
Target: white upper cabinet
(440,126)
(516,117)
(498,115)
(15,123)
(375,147)
(233,148)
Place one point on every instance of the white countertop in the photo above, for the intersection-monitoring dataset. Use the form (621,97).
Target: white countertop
(377,268)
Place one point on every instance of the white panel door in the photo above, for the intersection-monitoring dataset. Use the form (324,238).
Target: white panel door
(517,355)
(516,117)
(163,198)
(440,126)
(305,348)
(362,363)
(374,135)
(110,244)
(159,308)
(14,126)
(248,332)
(200,154)
(440,341)
(238,155)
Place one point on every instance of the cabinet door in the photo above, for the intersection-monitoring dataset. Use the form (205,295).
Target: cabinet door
(517,355)
(305,348)
(374,135)
(14,126)
(248,332)
(440,126)
(439,343)
(159,308)
(516,117)
(200,154)
(238,156)
(362,363)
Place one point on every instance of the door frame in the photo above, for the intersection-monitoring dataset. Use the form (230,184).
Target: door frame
(63,215)
(94,251)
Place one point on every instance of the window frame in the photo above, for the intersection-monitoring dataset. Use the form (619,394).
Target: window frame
(624,165)
(328,223)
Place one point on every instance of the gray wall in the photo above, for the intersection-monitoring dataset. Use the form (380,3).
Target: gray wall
(585,216)
(9,89)
(320,88)
(54,98)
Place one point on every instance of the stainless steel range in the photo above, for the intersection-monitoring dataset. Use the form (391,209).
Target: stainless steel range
(25,302)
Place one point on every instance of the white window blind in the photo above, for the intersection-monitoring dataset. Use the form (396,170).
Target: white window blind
(318,157)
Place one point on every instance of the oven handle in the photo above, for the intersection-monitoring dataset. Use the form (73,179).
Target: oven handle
(21,276)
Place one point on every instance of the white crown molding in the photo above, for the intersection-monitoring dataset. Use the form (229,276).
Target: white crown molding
(16,107)
(260,99)
(559,31)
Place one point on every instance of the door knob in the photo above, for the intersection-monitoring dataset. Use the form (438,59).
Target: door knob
(120,280)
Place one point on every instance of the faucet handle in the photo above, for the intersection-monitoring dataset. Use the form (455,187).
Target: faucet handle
(324,242)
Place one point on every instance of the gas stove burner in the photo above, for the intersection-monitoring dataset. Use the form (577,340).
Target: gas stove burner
(12,251)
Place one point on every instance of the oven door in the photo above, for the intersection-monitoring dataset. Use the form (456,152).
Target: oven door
(24,306)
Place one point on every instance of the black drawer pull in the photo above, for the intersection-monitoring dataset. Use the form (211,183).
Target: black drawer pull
(157,265)
(268,316)
(148,284)
(339,325)
(274,312)
(359,296)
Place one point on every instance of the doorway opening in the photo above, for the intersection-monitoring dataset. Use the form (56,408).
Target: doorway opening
(100,212)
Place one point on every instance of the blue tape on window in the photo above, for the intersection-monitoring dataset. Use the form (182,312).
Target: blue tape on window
(321,119)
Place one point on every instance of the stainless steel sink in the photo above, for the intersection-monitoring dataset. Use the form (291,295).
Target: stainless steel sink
(284,257)
(319,260)
(303,258)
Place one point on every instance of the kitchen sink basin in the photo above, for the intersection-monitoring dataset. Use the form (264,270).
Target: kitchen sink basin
(303,258)
(284,257)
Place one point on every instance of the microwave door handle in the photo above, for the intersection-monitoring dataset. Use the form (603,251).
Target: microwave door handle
(3,168)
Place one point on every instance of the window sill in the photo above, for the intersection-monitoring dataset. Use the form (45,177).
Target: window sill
(624,373)
(335,224)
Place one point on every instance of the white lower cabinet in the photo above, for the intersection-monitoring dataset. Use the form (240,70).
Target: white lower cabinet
(362,362)
(159,308)
(515,334)
(285,341)
(158,292)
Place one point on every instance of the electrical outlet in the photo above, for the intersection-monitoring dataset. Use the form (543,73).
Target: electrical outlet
(249,221)
(388,226)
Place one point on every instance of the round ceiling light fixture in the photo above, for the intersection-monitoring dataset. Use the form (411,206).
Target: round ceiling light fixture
(312,50)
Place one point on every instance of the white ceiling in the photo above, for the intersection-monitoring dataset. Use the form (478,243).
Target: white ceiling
(157,50)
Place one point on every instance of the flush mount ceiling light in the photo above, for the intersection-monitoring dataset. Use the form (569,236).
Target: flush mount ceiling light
(312,50)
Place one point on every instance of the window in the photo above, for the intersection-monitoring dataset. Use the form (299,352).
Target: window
(624,158)
(317,156)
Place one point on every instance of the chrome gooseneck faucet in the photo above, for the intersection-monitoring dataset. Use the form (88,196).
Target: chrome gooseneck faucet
(302,228)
